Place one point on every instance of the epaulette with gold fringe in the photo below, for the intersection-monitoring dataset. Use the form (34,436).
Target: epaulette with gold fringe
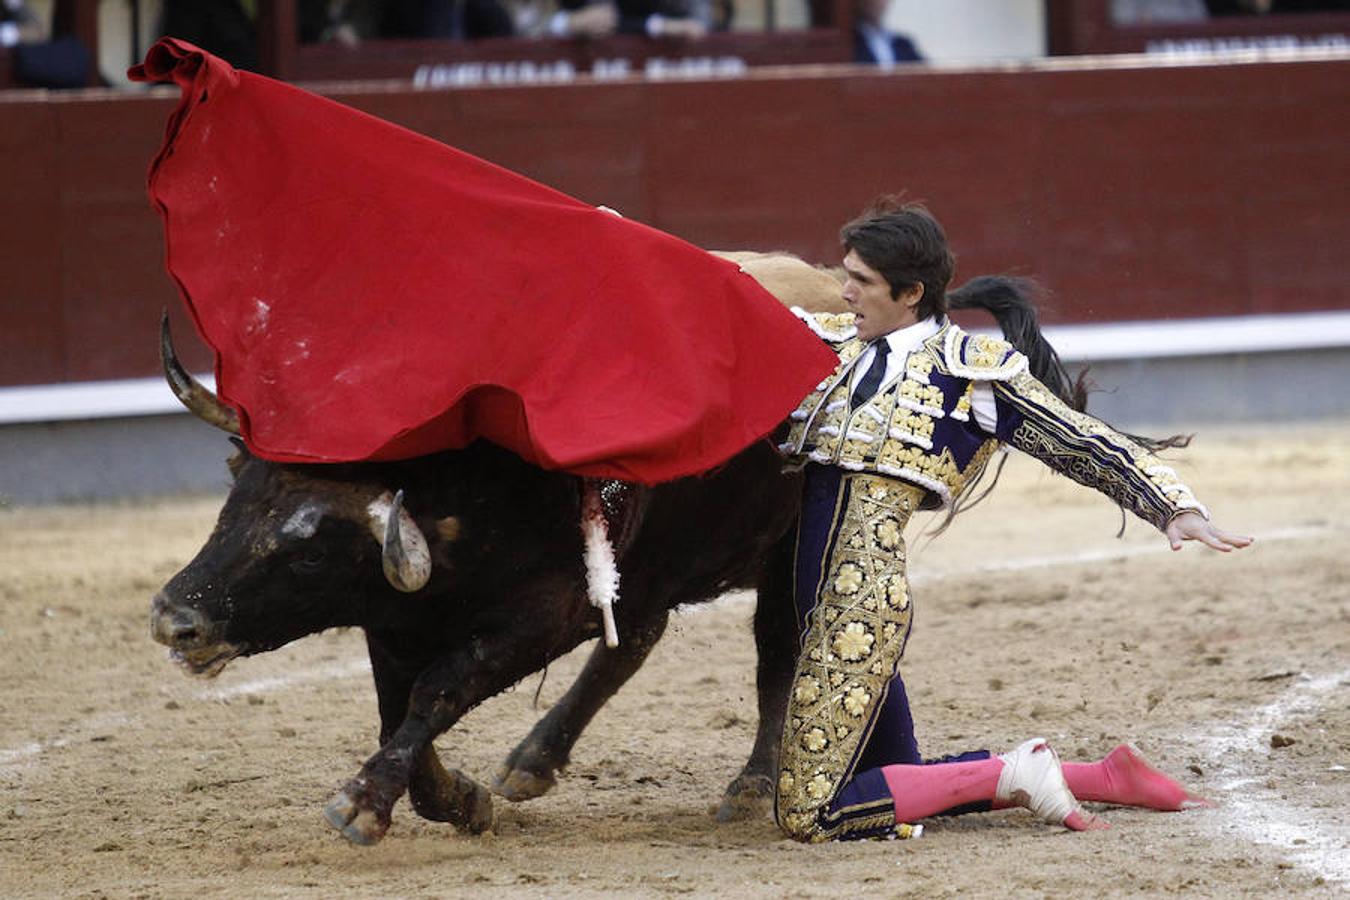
(978,356)
(832,327)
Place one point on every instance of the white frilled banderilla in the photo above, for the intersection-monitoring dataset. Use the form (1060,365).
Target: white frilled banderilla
(610,512)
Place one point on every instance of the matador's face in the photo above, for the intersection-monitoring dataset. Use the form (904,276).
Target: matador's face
(868,295)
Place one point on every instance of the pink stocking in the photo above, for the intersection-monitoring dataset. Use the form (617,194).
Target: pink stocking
(1126,779)
(921,791)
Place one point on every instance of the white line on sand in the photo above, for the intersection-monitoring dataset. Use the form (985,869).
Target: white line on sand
(1312,838)
(281,682)
(1125,551)
(1104,554)
(14,759)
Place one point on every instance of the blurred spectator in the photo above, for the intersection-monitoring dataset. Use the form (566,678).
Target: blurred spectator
(227,27)
(1145,12)
(63,62)
(1261,7)
(453,19)
(221,27)
(676,19)
(19,24)
(346,22)
(872,43)
(579,19)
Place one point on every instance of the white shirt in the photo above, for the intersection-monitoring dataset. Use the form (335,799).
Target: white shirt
(904,341)
(879,42)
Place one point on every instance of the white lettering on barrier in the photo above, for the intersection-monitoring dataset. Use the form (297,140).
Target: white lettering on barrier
(443,75)
(609,69)
(1265,42)
(561,71)
(659,68)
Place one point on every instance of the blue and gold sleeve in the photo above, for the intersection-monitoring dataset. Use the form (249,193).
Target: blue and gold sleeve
(1040,424)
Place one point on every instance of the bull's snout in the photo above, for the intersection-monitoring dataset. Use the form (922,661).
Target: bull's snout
(193,639)
(180,627)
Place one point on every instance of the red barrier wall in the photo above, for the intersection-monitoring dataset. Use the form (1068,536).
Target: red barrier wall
(1131,192)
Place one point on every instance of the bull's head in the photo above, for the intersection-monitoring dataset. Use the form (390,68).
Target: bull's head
(294,551)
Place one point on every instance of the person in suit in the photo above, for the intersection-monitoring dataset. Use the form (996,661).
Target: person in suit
(872,43)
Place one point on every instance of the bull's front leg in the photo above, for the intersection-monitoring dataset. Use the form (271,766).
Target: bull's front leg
(441,694)
(436,793)
(530,770)
(750,794)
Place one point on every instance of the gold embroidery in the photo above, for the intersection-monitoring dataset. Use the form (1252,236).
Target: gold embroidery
(864,424)
(835,323)
(976,357)
(814,740)
(887,533)
(984,352)
(919,364)
(962,411)
(916,428)
(928,396)
(848,578)
(853,644)
(1092,453)
(856,701)
(891,434)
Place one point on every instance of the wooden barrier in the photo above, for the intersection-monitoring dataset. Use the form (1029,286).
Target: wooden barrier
(1132,192)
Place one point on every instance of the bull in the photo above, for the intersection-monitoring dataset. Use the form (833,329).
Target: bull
(477,582)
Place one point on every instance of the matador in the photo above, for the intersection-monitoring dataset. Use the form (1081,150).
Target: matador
(908,421)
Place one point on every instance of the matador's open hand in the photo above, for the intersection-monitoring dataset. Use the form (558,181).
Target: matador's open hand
(1191,526)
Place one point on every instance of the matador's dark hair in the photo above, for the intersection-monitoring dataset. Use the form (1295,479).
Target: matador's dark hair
(907,246)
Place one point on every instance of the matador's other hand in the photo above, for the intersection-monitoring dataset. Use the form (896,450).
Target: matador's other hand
(1191,526)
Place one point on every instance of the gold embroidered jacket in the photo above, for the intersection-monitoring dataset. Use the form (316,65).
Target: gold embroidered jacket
(918,427)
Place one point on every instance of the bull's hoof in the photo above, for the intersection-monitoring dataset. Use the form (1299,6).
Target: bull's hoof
(518,785)
(453,798)
(360,826)
(748,797)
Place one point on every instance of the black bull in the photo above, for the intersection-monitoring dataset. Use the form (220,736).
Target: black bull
(301,548)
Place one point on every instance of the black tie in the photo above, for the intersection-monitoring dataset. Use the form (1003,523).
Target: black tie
(871,379)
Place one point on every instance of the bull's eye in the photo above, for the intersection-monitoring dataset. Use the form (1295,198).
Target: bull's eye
(310,562)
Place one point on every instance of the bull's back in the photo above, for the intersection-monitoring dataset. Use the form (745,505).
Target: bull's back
(793,281)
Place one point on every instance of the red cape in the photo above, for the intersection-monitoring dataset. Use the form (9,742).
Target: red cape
(372,294)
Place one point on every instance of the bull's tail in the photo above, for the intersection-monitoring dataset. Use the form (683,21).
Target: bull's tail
(1012,302)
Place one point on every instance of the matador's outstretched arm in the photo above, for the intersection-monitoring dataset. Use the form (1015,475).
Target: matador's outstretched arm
(1089,451)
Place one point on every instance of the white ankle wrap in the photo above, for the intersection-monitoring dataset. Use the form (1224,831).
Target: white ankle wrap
(1032,778)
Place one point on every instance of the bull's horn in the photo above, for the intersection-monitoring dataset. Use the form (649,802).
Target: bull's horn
(407,561)
(199,401)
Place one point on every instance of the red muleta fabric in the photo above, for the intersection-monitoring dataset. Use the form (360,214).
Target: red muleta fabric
(372,294)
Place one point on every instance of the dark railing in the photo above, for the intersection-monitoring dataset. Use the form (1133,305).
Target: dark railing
(283,56)
(1074,27)
(1077,27)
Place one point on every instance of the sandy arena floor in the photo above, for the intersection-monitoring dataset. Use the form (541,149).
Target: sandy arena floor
(122,777)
